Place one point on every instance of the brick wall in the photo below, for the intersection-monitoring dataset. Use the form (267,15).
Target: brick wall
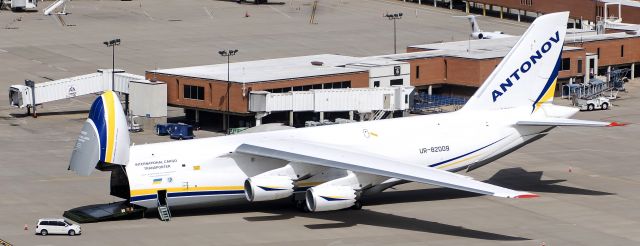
(215,91)
(610,50)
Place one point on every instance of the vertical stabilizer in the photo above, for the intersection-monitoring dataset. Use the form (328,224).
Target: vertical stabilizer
(527,75)
(474,24)
(104,137)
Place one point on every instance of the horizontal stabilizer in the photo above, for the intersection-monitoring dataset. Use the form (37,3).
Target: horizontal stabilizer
(566,122)
(335,157)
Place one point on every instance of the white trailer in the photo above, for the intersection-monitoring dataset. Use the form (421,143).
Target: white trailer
(17,5)
(32,94)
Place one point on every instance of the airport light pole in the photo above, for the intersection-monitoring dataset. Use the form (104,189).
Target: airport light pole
(394,17)
(228,54)
(113,43)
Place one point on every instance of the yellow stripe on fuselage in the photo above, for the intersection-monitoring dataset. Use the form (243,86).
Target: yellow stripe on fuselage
(142,192)
(111,125)
(458,161)
(548,95)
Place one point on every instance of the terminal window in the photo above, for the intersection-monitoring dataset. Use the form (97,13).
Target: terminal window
(397,82)
(566,64)
(579,66)
(193,92)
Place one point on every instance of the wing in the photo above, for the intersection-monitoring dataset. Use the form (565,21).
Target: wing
(566,122)
(322,155)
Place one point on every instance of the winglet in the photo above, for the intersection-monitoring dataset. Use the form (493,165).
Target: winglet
(612,124)
(529,195)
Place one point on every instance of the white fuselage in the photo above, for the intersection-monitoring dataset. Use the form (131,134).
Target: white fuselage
(207,171)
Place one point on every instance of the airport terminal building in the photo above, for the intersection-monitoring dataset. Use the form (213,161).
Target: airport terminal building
(213,92)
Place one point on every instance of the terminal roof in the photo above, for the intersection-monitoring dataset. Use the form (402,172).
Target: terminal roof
(270,69)
(470,49)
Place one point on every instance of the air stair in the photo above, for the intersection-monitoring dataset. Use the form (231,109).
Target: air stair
(163,211)
(163,206)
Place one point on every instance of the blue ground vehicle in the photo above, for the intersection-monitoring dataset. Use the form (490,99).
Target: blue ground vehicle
(162,129)
(180,131)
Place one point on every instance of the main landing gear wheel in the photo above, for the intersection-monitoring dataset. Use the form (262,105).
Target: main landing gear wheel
(357,205)
(301,206)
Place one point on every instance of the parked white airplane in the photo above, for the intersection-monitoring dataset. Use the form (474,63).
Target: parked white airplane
(477,33)
(332,167)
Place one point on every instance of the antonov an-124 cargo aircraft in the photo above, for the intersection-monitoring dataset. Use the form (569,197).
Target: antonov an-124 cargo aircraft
(332,167)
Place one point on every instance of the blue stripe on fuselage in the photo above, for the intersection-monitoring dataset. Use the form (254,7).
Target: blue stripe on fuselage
(460,156)
(186,194)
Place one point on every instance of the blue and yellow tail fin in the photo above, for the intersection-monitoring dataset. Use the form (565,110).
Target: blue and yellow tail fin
(527,76)
(104,138)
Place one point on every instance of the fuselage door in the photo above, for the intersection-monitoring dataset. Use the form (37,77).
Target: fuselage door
(162,197)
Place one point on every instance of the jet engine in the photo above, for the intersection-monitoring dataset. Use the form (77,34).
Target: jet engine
(265,188)
(327,198)
(278,183)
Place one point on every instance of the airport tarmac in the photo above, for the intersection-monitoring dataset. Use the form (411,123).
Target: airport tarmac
(588,178)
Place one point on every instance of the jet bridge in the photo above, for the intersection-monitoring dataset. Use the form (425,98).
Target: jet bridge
(374,102)
(32,94)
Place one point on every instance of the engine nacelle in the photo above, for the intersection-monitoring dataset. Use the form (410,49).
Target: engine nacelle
(265,188)
(327,198)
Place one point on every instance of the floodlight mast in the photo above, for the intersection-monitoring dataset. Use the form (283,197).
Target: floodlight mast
(228,54)
(394,17)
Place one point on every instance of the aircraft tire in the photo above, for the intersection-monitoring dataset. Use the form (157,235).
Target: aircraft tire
(357,205)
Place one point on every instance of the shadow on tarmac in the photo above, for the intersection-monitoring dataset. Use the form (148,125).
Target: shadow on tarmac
(520,179)
(349,218)
(514,178)
(39,114)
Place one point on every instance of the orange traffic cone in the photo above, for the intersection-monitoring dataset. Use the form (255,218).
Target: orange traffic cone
(26,227)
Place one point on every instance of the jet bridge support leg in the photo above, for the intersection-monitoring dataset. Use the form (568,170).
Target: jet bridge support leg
(32,85)
(259,117)
(290,118)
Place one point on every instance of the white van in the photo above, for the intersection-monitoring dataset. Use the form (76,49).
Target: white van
(57,226)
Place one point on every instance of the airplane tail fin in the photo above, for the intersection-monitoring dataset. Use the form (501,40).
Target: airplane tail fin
(104,138)
(472,20)
(474,24)
(527,75)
